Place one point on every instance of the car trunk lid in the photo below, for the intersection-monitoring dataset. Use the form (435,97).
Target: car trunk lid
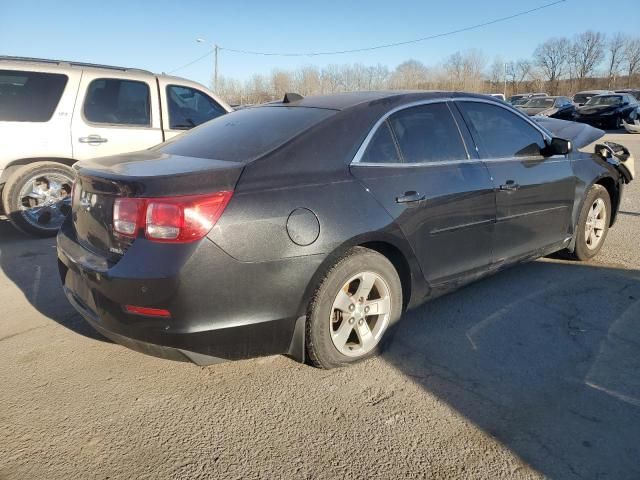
(147,174)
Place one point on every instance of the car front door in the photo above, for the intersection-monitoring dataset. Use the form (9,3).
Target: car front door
(534,194)
(418,167)
(115,114)
(185,107)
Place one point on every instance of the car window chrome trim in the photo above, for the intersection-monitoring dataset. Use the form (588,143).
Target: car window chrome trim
(357,158)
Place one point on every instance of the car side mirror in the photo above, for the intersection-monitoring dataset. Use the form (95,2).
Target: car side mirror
(557,146)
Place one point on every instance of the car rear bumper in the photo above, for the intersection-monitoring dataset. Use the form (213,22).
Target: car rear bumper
(221,309)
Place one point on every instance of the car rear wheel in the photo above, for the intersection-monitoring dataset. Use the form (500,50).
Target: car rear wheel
(37,197)
(352,309)
(593,223)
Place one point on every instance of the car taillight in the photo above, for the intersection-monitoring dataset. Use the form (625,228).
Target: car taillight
(126,216)
(169,219)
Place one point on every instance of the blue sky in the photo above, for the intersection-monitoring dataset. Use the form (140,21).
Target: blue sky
(161,35)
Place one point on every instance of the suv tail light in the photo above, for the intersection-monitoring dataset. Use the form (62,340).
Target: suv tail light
(169,219)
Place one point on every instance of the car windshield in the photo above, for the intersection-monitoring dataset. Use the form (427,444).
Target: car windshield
(605,100)
(582,97)
(540,103)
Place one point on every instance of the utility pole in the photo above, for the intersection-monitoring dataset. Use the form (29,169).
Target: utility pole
(215,68)
(505,80)
(216,48)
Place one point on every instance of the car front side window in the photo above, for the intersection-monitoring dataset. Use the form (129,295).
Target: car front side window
(501,133)
(189,107)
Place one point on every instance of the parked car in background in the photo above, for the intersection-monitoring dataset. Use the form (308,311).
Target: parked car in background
(554,107)
(581,98)
(309,225)
(499,96)
(522,98)
(606,111)
(631,91)
(53,113)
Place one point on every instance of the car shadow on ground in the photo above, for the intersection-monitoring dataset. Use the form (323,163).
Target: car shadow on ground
(544,357)
(31,264)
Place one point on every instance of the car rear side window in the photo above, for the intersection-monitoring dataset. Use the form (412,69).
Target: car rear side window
(29,96)
(189,107)
(500,133)
(382,148)
(116,101)
(246,134)
(427,133)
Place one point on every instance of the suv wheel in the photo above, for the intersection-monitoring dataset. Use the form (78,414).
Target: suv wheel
(357,301)
(37,197)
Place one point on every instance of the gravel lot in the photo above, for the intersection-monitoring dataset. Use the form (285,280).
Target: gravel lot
(532,373)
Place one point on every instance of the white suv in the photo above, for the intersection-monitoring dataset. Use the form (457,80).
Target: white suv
(54,113)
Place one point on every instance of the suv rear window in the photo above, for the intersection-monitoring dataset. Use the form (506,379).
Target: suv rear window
(246,134)
(29,96)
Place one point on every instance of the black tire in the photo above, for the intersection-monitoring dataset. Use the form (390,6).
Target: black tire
(12,203)
(321,350)
(582,250)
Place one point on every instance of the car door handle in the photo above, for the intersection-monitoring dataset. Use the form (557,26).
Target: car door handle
(92,139)
(410,197)
(509,186)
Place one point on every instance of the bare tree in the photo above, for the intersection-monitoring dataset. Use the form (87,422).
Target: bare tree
(587,51)
(632,58)
(551,57)
(615,56)
(410,75)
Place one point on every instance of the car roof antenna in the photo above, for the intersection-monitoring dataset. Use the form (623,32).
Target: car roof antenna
(291,97)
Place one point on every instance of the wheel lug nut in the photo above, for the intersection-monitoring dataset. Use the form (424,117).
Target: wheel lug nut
(352,307)
(361,322)
(351,320)
(366,309)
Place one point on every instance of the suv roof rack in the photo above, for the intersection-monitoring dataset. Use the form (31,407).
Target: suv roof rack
(71,63)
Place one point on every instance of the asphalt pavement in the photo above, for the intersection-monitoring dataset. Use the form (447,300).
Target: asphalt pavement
(531,373)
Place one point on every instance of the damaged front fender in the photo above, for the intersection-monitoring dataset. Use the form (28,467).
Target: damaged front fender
(618,156)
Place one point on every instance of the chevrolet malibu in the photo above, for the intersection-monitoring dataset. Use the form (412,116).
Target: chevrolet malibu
(308,226)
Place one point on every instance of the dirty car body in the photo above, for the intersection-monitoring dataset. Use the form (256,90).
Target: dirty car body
(292,187)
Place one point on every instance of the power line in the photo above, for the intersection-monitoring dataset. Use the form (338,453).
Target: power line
(192,62)
(378,47)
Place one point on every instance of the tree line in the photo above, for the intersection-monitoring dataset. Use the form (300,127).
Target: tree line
(558,66)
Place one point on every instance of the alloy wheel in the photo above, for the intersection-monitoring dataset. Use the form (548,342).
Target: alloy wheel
(360,314)
(595,224)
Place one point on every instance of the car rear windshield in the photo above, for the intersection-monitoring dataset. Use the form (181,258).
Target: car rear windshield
(582,98)
(540,103)
(29,96)
(246,134)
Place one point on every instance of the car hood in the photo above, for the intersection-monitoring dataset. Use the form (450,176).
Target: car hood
(580,134)
(596,109)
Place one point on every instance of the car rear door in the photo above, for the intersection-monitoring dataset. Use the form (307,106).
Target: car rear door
(416,164)
(115,113)
(534,194)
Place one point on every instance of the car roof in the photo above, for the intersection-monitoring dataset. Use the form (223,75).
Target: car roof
(598,92)
(344,101)
(66,65)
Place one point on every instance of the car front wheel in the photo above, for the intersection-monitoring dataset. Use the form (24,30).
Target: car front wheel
(352,309)
(593,223)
